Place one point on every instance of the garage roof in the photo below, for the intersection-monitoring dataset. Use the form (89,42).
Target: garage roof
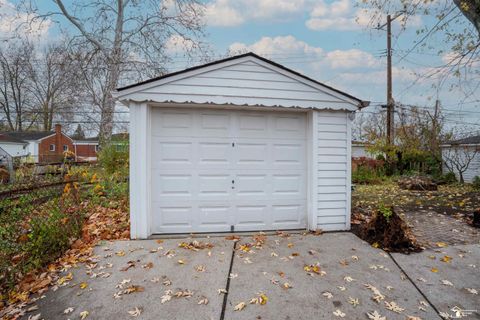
(246,79)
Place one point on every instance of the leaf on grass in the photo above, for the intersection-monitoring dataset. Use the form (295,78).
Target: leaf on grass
(240,306)
(135,312)
(375,316)
(339,313)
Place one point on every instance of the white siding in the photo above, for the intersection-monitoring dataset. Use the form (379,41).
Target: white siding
(333,163)
(473,168)
(245,81)
(14,149)
(359,151)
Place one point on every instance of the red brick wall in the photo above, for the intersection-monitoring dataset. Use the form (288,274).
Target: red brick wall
(59,140)
(85,151)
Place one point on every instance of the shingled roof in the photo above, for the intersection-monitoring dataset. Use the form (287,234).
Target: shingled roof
(468,140)
(7,138)
(29,135)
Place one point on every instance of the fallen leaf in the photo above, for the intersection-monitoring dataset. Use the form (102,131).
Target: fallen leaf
(327,294)
(120,253)
(181,261)
(84,314)
(353,301)
(441,244)
(446,259)
(83,285)
(339,313)
(240,306)
(375,316)
(148,265)
(447,283)
(135,312)
(203,301)
(68,310)
(220,291)
(472,291)
(393,306)
(435,270)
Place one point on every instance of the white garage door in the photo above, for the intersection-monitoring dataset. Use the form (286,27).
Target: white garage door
(213,170)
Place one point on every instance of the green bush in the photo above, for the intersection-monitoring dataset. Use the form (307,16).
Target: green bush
(476,183)
(365,175)
(113,159)
(447,178)
(50,235)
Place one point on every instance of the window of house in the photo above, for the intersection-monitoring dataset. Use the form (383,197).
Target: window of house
(65,147)
(96,148)
(52,147)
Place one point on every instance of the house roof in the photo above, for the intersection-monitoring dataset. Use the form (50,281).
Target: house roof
(360,103)
(115,137)
(7,138)
(28,135)
(469,140)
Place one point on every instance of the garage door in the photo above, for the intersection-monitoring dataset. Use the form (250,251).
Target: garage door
(218,170)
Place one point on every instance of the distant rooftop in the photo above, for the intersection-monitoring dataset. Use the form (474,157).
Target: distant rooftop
(469,140)
(28,135)
(7,138)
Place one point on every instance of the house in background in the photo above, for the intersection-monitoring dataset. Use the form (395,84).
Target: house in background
(43,146)
(463,154)
(86,149)
(13,146)
(360,150)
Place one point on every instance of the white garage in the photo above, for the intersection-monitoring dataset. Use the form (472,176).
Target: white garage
(240,144)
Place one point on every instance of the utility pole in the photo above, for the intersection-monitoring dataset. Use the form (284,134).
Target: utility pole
(390,102)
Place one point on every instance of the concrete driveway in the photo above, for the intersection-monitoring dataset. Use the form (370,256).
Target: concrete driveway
(331,276)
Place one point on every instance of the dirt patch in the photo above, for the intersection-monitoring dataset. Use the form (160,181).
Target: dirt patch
(387,230)
(417,183)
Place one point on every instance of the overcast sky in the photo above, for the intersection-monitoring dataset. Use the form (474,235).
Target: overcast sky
(329,41)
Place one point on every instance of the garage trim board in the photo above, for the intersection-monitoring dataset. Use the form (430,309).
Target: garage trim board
(242,144)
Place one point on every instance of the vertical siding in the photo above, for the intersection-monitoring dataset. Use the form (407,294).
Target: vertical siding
(333,170)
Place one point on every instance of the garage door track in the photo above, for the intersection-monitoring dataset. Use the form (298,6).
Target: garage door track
(329,276)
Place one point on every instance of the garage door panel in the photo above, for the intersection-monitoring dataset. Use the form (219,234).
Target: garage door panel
(288,215)
(211,216)
(214,124)
(251,185)
(253,125)
(172,217)
(172,123)
(172,153)
(288,155)
(251,155)
(214,154)
(251,217)
(288,185)
(287,126)
(216,186)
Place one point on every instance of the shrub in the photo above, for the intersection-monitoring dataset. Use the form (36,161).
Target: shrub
(113,159)
(366,175)
(448,178)
(476,183)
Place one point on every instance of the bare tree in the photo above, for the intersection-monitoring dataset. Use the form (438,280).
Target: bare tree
(126,33)
(457,158)
(54,85)
(16,102)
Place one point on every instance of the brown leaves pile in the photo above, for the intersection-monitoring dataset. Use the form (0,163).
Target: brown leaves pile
(195,245)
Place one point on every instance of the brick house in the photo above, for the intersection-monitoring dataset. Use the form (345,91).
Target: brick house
(45,146)
(86,149)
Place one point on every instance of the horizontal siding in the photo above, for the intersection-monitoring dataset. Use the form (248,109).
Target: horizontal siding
(473,168)
(332,170)
(245,83)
